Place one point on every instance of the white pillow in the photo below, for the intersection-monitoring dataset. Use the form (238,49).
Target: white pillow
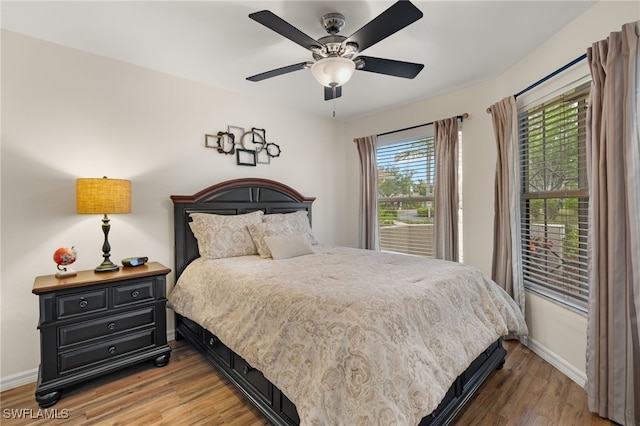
(288,245)
(224,235)
(259,231)
(298,222)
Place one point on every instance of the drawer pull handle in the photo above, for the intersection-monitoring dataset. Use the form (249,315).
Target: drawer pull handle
(83,303)
(247,369)
(135,293)
(112,349)
(213,341)
(111,326)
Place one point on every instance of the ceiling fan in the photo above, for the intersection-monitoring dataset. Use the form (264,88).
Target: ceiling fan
(336,57)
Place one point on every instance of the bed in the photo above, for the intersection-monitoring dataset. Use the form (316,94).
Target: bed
(343,345)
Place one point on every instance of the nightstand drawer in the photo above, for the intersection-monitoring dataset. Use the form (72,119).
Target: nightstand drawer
(81,303)
(88,330)
(83,357)
(133,293)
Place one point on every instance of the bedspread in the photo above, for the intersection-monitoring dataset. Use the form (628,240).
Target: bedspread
(352,337)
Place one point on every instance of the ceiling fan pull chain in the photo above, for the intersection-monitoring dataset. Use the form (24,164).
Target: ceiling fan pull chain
(334,101)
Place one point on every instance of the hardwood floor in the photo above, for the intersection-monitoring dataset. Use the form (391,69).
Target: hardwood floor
(528,391)
(189,391)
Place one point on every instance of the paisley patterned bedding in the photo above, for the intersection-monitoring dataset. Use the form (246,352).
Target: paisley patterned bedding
(352,337)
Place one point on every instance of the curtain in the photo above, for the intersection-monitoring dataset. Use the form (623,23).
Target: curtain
(368,232)
(613,155)
(506,266)
(445,195)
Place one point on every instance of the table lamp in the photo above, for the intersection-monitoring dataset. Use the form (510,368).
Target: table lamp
(103,196)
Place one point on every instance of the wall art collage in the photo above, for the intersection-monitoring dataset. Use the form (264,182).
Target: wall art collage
(249,147)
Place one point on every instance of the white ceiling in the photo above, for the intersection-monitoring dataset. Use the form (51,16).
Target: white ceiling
(214,42)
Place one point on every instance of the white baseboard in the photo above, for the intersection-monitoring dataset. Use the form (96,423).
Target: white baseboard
(567,369)
(30,376)
(171,334)
(19,379)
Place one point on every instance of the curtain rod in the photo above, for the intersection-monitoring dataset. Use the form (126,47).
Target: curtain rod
(553,74)
(459,117)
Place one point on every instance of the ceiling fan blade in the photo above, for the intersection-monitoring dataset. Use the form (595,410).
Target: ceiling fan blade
(285,29)
(398,16)
(390,67)
(330,93)
(278,71)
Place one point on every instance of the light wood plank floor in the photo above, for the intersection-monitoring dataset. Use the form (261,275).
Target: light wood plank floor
(189,391)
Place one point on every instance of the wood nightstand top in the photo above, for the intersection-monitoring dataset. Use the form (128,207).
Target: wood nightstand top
(49,283)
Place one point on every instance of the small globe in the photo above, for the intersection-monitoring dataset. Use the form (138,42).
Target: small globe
(65,256)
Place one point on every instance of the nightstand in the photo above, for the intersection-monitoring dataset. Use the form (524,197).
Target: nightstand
(96,323)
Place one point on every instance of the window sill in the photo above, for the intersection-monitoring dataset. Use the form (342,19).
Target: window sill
(566,305)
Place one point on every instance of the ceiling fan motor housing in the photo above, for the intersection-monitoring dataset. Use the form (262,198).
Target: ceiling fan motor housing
(334,45)
(332,22)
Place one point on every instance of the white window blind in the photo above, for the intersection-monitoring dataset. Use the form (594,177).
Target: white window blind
(554,196)
(406,173)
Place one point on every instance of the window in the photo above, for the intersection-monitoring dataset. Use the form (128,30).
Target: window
(406,172)
(554,197)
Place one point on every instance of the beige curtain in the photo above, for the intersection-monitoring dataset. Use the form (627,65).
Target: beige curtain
(368,233)
(613,153)
(445,229)
(506,266)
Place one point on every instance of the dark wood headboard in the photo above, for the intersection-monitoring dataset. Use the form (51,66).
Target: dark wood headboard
(232,197)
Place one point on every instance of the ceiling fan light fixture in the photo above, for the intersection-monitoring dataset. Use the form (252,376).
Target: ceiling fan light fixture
(333,71)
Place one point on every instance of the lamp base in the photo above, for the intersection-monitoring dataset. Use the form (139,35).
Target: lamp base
(107,266)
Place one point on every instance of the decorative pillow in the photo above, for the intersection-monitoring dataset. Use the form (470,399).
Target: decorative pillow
(288,245)
(259,231)
(224,235)
(298,222)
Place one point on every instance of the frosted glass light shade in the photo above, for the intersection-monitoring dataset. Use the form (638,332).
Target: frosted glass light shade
(103,196)
(333,71)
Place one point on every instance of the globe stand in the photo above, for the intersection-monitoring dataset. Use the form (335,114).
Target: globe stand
(65,273)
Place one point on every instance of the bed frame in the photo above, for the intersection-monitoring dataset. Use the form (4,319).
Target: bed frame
(244,196)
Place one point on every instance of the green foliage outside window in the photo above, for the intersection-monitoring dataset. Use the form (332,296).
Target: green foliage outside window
(555,196)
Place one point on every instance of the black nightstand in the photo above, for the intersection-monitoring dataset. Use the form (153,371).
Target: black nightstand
(96,323)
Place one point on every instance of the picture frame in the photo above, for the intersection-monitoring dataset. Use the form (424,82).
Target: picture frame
(257,142)
(263,157)
(246,157)
(237,133)
(273,150)
(212,141)
(258,135)
(224,139)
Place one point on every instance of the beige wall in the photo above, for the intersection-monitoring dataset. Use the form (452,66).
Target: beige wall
(557,333)
(68,114)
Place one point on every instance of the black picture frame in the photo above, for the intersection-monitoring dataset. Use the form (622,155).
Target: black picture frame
(273,150)
(261,133)
(226,138)
(246,157)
